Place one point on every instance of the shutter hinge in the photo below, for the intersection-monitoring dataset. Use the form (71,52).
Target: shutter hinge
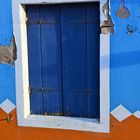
(26,20)
(29,90)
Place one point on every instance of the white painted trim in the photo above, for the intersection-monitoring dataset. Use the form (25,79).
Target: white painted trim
(22,82)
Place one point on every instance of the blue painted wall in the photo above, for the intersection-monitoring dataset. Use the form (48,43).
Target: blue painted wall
(125,56)
(5,22)
(7,81)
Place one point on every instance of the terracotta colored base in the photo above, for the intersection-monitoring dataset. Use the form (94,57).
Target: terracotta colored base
(126,130)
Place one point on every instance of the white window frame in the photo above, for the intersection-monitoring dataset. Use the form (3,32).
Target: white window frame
(22,77)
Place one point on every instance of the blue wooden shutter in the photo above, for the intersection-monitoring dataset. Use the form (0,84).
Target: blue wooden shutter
(63,47)
(80,51)
(35,67)
(51,59)
(74,59)
(93,32)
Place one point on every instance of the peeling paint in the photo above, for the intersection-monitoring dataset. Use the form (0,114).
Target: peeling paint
(107,25)
(123,11)
(8,53)
(131,29)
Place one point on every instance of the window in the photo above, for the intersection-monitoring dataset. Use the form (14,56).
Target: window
(59,62)
(63,50)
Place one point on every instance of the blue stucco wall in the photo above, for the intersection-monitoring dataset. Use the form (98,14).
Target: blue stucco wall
(125,57)
(7,80)
(5,22)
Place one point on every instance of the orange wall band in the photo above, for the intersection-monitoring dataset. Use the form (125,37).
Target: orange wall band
(128,129)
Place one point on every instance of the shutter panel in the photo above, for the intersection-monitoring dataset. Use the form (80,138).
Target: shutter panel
(74,59)
(51,59)
(93,32)
(34,60)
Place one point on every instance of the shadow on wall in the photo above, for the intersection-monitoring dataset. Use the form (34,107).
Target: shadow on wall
(125,59)
(121,59)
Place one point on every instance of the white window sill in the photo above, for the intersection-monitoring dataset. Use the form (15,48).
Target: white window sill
(60,122)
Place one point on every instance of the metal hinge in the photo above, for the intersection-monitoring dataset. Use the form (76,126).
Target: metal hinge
(53,113)
(26,19)
(40,21)
(43,90)
(35,90)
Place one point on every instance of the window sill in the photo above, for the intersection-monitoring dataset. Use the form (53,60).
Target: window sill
(60,122)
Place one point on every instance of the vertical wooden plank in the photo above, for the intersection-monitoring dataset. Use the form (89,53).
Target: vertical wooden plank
(93,32)
(51,59)
(74,59)
(34,55)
